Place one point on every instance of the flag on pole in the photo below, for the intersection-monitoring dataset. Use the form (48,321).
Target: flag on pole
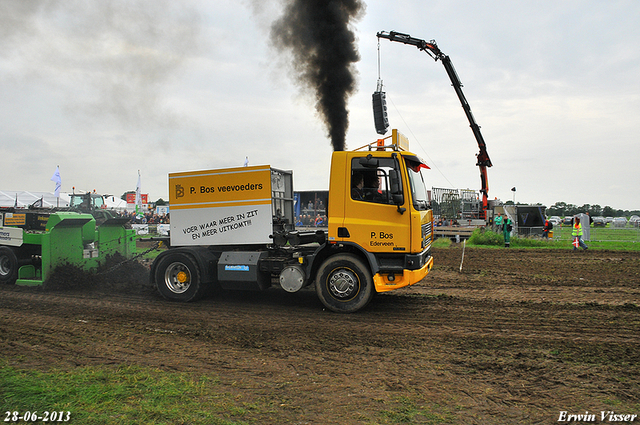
(56,178)
(138,197)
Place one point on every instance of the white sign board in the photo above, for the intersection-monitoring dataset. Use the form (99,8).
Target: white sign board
(221,207)
(11,236)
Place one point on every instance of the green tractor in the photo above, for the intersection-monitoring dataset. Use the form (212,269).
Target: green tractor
(91,203)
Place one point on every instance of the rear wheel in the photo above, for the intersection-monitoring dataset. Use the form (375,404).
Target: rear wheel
(344,283)
(8,266)
(177,277)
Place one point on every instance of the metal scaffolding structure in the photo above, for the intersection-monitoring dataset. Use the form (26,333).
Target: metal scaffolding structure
(455,204)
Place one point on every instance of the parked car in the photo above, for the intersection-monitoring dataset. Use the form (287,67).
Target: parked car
(634,220)
(599,222)
(567,221)
(619,222)
(555,220)
(609,219)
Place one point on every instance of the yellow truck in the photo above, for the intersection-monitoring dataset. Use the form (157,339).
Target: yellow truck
(235,229)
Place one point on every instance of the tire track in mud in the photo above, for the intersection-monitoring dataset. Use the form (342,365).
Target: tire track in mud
(389,316)
(498,359)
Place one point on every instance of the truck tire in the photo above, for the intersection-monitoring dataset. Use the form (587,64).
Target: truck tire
(344,283)
(177,277)
(8,266)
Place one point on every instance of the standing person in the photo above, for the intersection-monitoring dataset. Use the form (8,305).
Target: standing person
(545,230)
(498,222)
(506,230)
(590,218)
(577,235)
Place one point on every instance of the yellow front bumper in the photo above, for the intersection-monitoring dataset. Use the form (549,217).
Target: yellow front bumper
(408,278)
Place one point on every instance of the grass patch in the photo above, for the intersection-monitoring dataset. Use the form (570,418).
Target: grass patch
(122,395)
(441,243)
(487,238)
(627,238)
(131,395)
(406,411)
(482,237)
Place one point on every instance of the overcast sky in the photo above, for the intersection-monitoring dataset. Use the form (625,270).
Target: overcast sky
(104,89)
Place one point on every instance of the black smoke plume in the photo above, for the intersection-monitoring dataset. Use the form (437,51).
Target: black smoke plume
(323,47)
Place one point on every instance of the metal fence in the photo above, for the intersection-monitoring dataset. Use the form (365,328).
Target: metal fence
(596,234)
(455,204)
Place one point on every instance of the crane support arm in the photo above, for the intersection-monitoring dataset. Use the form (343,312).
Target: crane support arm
(432,49)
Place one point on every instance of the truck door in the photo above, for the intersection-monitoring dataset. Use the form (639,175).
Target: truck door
(375,211)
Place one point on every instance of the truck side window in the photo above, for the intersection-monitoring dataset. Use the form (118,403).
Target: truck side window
(371,184)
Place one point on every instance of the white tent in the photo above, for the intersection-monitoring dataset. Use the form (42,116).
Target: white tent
(115,203)
(22,199)
(8,199)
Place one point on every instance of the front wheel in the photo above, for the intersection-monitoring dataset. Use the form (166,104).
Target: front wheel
(8,266)
(344,283)
(177,277)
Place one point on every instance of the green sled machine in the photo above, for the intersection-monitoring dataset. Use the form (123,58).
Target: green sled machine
(34,243)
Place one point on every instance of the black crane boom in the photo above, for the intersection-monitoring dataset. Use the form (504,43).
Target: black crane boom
(431,48)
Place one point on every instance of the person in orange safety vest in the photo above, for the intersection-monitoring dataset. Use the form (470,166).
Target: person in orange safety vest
(577,235)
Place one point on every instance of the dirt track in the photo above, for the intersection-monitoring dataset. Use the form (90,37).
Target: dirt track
(516,337)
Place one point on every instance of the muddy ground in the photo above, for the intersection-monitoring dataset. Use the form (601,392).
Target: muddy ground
(517,336)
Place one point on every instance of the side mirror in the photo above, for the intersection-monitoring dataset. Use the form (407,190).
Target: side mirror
(396,190)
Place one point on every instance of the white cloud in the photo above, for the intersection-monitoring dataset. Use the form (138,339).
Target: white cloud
(104,89)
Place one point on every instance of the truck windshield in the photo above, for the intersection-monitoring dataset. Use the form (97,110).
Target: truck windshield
(416,181)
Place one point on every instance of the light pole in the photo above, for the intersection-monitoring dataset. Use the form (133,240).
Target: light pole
(513,189)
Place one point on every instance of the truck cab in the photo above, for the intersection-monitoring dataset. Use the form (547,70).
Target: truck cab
(379,211)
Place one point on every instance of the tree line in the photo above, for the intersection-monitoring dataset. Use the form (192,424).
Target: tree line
(562,209)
